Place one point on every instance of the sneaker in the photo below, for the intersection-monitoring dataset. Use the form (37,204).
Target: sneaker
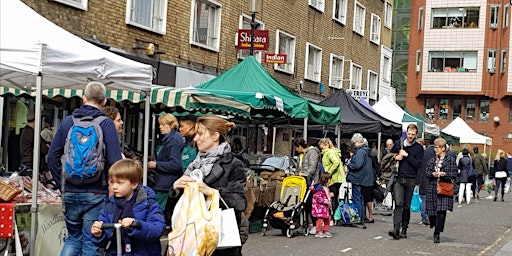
(320,235)
(331,223)
(312,231)
(489,197)
(327,234)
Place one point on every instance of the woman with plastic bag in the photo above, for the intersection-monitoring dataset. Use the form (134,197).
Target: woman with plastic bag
(216,170)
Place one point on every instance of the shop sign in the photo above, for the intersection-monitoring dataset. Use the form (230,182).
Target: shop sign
(275,58)
(260,40)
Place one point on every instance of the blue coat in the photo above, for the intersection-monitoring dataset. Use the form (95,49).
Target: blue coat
(360,171)
(168,161)
(145,241)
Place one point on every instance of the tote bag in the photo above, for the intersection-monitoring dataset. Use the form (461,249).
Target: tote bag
(415,201)
(195,223)
(229,235)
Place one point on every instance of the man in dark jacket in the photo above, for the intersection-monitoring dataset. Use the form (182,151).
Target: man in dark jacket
(82,204)
(481,169)
(410,155)
(27,147)
(428,154)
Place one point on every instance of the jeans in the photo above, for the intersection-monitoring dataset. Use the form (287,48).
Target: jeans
(423,210)
(477,184)
(357,199)
(80,211)
(402,195)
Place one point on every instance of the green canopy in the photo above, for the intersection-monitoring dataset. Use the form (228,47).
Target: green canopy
(250,77)
(117,95)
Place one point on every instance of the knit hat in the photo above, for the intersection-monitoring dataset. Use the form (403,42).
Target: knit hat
(475,149)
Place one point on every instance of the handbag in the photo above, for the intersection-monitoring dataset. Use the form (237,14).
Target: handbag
(500,174)
(445,188)
(378,193)
(229,235)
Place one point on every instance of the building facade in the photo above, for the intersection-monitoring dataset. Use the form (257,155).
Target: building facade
(329,44)
(458,65)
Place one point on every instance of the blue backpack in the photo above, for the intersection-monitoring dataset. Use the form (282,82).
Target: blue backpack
(83,161)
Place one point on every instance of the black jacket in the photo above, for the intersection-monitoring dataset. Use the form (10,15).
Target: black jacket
(428,154)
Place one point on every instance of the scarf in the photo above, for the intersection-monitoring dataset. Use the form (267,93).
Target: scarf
(124,209)
(205,160)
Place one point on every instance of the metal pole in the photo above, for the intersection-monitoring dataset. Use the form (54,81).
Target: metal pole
(253,27)
(147,117)
(35,160)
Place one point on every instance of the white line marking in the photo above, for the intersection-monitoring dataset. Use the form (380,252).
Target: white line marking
(346,250)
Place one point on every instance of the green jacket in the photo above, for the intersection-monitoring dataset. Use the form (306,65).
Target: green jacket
(331,160)
(480,164)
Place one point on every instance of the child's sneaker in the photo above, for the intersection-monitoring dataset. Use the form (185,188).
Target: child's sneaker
(320,234)
(327,234)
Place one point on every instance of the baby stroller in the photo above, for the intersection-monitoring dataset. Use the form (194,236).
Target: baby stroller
(288,213)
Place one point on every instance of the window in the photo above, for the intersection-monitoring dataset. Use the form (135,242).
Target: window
(443,109)
(313,62)
(359,18)
(375,29)
(493,16)
(373,83)
(506,14)
(491,61)
(285,44)
(317,4)
(388,15)
(356,76)
(205,24)
(456,108)
(336,71)
(421,13)
(452,61)
(484,110)
(245,23)
(340,11)
(386,68)
(503,64)
(429,108)
(80,4)
(147,14)
(470,109)
(418,60)
(461,17)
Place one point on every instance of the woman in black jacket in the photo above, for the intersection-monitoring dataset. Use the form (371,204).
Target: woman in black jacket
(501,174)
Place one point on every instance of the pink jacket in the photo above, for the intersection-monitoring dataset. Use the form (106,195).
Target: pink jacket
(321,203)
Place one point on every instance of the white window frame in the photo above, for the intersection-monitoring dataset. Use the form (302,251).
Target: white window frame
(336,70)
(491,60)
(506,15)
(421,14)
(356,76)
(242,54)
(372,84)
(80,4)
(503,62)
(375,26)
(386,68)
(359,18)
(315,63)
(289,67)
(418,61)
(493,21)
(158,16)
(317,4)
(341,16)
(213,32)
(388,15)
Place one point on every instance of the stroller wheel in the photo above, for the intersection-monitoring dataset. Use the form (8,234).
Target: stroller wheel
(289,233)
(263,231)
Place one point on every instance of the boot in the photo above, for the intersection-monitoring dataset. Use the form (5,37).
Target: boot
(395,233)
(436,238)
(403,234)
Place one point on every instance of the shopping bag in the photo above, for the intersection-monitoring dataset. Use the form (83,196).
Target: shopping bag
(488,184)
(415,201)
(229,235)
(348,213)
(195,223)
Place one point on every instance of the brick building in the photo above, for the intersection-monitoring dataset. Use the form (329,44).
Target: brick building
(329,45)
(458,57)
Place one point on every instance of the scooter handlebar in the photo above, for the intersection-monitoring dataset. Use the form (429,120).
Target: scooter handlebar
(135,224)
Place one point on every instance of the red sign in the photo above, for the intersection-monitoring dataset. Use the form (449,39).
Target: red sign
(275,58)
(260,39)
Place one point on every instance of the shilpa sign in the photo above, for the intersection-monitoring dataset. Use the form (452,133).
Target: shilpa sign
(260,39)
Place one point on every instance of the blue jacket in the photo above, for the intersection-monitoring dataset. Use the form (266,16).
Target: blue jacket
(360,170)
(112,150)
(145,241)
(168,161)
(409,166)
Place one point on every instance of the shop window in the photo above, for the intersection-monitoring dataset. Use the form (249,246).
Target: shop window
(429,108)
(147,14)
(484,111)
(470,109)
(456,108)
(443,109)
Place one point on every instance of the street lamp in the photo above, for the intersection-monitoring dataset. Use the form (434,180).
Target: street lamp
(253,9)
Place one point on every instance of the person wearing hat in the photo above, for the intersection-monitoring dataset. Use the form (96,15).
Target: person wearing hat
(27,147)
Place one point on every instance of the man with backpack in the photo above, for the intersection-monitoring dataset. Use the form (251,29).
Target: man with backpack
(84,147)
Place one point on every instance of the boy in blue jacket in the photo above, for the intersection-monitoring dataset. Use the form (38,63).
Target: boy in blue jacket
(130,203)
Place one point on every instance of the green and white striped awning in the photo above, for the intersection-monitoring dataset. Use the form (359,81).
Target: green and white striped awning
(117,95)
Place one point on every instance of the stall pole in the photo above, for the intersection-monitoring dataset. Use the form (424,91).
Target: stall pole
(305,135)
(338,136)
(273,140)
(35,166)
(146,139)
(379,138)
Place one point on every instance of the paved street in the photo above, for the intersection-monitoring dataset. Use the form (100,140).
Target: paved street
(482,228)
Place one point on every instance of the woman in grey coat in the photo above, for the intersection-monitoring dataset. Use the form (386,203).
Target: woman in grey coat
(444,169)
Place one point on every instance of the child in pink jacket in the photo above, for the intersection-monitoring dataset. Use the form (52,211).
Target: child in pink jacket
(322,206)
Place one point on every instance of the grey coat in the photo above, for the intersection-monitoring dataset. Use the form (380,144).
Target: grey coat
(437,202)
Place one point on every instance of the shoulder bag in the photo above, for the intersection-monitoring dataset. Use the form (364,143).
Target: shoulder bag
(443,188)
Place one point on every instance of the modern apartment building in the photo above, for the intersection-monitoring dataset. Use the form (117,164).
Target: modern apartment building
(458,65)
(329,44)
